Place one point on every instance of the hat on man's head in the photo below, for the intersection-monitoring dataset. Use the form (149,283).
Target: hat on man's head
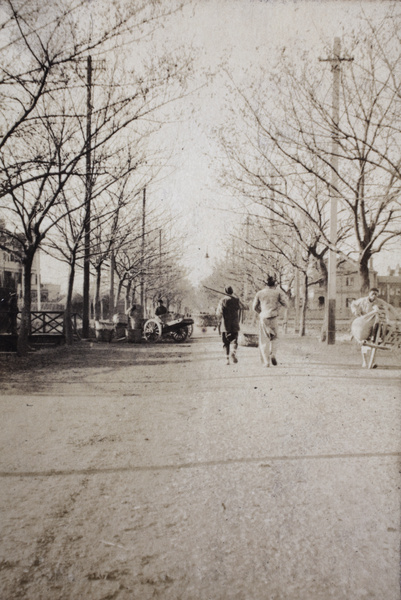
(160,300)
(270,281)
(228,290)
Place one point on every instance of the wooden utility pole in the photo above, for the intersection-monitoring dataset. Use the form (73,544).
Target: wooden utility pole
(111,292)
(88,196)
(38,279)
(246,260)
(271,226)
(160,255)
(332,270)
(297,289)
(143,248)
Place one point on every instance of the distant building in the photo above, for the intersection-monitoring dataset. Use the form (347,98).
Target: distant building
(390,286)
(49,292)
(11,276)
(11,270)
(348,288)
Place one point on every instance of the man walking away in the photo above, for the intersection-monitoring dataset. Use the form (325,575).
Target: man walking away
(228,311)
(266,303)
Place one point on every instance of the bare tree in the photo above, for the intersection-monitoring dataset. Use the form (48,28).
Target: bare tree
(44,137)
(283,131)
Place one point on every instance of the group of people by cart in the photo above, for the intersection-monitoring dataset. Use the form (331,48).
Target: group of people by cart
(373,327)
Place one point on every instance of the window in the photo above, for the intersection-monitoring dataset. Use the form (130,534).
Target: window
(349,281)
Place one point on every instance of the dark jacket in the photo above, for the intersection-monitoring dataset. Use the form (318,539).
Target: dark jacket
(228,311)
(160,310)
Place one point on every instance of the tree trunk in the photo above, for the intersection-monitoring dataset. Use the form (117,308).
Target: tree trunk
(97,292)
(25,325)
(119,289)
(364,274)
(68,310)
(128,294)
(324,275)
(304,307)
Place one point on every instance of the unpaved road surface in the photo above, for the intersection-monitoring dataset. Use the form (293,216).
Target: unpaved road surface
(135,472)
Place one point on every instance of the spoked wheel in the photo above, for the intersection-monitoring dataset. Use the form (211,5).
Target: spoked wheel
(152,330)
(180,335)
(190,330)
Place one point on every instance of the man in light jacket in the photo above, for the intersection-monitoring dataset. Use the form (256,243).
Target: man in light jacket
(266,303)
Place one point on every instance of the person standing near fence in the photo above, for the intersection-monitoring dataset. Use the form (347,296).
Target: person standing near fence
(13,313)
(267,303)
(228,312)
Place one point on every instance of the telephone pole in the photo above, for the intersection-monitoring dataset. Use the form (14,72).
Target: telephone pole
(143,249)
(88,195)
(111,293)
(335,61)
(160,254)
(246,260)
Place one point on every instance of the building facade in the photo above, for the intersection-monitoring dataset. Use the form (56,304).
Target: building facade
(347,289)
(11,270)
(390,286)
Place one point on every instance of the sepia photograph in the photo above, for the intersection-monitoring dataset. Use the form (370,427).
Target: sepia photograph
(200,299)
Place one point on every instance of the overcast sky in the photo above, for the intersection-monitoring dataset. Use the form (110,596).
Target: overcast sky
(242,35)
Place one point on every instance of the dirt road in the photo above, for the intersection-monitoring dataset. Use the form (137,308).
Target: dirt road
(156,471)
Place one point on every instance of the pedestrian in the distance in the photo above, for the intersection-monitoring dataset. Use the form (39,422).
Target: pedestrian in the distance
(267,303)
(161,311)
(228,312)
(13,313)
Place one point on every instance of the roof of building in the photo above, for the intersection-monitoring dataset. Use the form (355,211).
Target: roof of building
(389,279)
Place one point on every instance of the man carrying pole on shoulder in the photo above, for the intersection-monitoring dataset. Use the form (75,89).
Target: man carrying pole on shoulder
(228,311)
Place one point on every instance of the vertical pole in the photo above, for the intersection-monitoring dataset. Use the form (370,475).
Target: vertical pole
(143,248)
(88,192)
(273,263)
(297,293)
(160,254)
(246,252)
(331,287)
(38,278)
(111,292)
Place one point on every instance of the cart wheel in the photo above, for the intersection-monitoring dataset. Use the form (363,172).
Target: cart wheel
(152,330)
(190,330)
(180,335)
